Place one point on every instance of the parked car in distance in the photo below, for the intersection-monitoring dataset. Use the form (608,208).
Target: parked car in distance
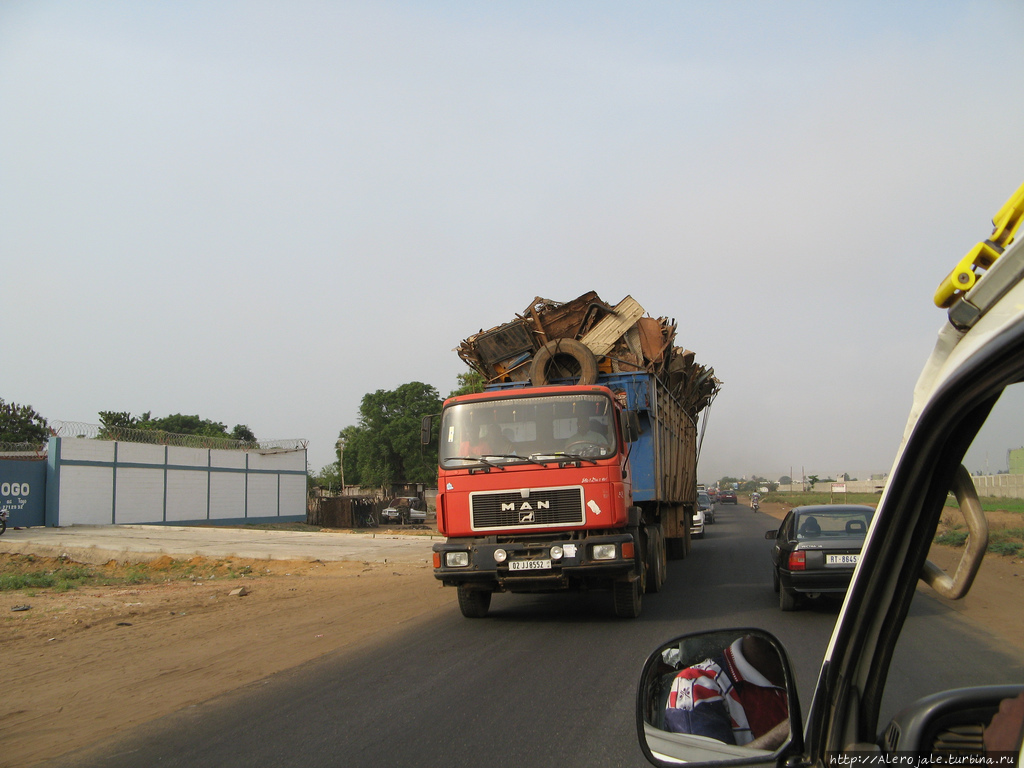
(697,526)
(707,506)
(727,496)
(816,549)
(403,510)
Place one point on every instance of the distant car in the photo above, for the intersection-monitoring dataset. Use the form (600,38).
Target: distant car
(697,526)
(707,506)
(816,549)
(403,510)
(727,496)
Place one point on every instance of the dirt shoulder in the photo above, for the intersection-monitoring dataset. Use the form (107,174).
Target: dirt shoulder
(84,664)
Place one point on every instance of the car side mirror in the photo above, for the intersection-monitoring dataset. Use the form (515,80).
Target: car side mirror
(426,427)
(690,709)
(630,421)
(772,534)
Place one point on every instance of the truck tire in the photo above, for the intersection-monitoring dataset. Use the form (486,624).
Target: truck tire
(474,603)
(565,358)
(657,568)
(628,598)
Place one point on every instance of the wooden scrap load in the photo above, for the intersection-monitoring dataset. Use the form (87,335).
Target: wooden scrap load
(544,342)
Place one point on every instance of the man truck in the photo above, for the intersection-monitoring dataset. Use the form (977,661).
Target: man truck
(574,483)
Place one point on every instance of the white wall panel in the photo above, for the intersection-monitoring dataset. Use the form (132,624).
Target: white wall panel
(140,453)
(262,495)
(186,495)
(81,449)
(227,495)
(140,495)
(86,495)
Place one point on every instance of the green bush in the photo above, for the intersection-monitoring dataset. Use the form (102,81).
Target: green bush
(1009,548)
(952,538)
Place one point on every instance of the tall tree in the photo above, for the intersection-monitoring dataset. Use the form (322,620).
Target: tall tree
(21,424)
(384,448)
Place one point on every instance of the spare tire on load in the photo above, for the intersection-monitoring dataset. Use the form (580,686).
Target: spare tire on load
(563,359)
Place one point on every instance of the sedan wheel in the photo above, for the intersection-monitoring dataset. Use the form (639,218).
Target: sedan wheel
(787,599)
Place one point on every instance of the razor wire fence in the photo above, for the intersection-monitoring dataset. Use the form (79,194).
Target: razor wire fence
(79,429)
(24,451)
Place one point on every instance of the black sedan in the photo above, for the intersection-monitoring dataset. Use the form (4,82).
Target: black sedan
(816,550)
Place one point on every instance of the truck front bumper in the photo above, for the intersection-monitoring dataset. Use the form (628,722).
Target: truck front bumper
(525,566)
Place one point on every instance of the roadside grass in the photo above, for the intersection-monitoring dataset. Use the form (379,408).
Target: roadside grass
(29,573)
(1006,518)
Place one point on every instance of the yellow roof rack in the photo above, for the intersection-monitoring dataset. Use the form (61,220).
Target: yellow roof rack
(984,254)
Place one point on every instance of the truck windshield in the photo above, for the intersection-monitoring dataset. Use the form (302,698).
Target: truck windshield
(527,429)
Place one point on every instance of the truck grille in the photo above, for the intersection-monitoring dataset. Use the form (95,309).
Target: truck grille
(543,508)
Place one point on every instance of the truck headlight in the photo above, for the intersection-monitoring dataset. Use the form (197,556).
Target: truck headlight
(456,559)
(500,555)
(604,551)
(556,552)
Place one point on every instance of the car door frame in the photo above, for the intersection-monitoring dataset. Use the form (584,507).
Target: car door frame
(846,704)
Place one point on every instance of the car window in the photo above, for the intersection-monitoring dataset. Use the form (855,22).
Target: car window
(986,628)
(825,525)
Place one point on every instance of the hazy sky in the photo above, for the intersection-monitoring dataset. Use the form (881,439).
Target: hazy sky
(259,212)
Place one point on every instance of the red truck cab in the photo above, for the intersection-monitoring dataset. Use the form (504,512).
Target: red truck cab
(534,494)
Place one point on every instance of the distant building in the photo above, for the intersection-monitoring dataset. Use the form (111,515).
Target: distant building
(1016,461)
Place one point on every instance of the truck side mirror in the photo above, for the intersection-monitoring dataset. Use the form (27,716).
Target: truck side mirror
(630,426)
(426,427)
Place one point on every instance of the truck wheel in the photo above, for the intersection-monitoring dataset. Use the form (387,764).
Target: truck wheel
(628,598)
(474,603)
(656,567)
(563,359)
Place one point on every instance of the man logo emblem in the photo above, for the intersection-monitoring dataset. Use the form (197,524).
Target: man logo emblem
(527,516)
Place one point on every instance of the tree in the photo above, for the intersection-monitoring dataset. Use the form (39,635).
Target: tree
(384,447)
(812,479)
(21,424)
(243,433)
(469,382)
(112,422)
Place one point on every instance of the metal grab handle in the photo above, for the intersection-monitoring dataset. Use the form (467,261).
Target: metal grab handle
(956,586)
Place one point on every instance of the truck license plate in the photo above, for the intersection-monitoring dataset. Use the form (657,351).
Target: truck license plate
(841,559)
(529,565)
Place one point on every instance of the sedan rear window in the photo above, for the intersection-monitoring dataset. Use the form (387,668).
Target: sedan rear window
(829,524)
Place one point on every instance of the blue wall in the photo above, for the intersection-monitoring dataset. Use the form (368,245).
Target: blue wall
(23,491)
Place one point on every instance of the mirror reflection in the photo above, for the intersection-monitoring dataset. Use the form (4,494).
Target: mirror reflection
(715,695)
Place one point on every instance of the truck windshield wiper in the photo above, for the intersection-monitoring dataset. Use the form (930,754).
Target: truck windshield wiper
(479,459)
(561,457)
(514,456)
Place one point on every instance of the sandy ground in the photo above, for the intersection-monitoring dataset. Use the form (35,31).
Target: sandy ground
(85,664)
(82,665)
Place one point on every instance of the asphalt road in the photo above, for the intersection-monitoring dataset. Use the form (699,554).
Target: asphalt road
(544,681)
